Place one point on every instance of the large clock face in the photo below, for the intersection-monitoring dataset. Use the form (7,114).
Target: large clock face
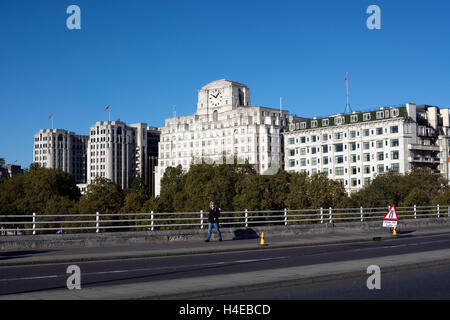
(215,97)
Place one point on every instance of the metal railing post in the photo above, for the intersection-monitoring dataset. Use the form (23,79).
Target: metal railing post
(151,221)
(246,218)
(438,212)
(321,215)
(97,221)
(201,219)
(331,215)
(415,212)
(34,223)
(361,212)
(285,216)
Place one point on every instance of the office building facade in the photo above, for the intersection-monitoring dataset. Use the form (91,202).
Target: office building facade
(225,128)
(354,148)
(62,150)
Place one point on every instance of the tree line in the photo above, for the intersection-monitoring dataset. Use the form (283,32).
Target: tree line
(234,187)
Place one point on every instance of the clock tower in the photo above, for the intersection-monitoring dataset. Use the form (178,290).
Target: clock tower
(222,95)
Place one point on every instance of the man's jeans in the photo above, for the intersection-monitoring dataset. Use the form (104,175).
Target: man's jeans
(216,226)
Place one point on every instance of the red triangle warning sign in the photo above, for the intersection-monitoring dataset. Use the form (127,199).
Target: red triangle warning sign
(391,214)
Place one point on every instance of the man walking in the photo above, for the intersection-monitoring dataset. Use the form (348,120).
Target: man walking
(214,214)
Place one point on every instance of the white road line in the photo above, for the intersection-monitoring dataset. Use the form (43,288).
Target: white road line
(144,269)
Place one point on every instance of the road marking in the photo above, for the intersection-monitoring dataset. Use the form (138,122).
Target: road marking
(32,278)
(146,269)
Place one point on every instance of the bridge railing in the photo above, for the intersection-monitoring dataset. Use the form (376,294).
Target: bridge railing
(102,222)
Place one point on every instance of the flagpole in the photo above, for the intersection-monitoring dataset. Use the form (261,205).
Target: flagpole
(109,114)
(347,106)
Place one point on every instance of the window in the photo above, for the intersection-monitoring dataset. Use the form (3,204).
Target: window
(380,114)
(379,131)
(394,143)
(313,161)
(354,118)
(353,170)
(367,181)
(302,139)
(314,124)
(338,135)
(366,169)
(366,145)
(352,134)
(380,168)
(325,137)
(353,158)
(366,132)
(339,171)
(291,163)
(313,150)
(325,160)
(325,149)
(395,112)
(379,144)
(394,155)
(353,146)
(339,159)
(325,122)
(339,120)
(338,147)
(366,116)
(302,162)
(380,156)
(292,152)
(366,157)
(394,129)
(302,125)
(396,167)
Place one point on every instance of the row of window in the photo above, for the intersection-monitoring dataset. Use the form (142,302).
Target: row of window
(341,171)
(343,135)
(340,147)
(367,157)
(379,115)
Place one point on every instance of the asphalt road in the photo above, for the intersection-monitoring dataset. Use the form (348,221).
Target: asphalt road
(429,283)
(18,279)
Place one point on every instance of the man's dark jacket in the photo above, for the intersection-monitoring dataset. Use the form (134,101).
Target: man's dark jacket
(214,215)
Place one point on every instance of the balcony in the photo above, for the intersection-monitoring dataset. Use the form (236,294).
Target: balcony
(423,147)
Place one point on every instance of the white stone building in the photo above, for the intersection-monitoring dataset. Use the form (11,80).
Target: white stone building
(120,152)
(354,148)
(62,150)
(225,127)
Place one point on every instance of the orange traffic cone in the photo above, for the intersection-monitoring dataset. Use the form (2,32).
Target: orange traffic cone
(261,242)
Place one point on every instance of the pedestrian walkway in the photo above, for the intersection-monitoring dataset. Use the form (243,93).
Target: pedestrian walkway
(65,255)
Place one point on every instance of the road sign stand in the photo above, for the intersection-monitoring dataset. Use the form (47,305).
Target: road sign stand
(390,220)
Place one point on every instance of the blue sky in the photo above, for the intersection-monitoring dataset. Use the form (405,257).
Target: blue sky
(143,57)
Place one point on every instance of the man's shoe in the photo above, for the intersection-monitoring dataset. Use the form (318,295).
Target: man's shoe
(206,240)
(220,239)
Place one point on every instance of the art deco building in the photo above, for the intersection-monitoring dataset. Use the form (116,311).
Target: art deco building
(120,152)
(62,150)
(225,128)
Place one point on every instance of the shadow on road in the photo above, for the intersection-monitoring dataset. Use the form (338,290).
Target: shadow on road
(244,234)
(19,254)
